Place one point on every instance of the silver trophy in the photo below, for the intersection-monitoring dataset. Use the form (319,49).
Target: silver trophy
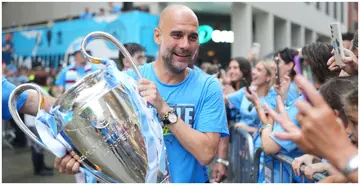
(99,123)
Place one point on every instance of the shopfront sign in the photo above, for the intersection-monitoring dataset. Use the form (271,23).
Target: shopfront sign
(207,33)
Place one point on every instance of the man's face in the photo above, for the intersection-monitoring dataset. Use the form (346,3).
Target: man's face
(178,41)
(80,60)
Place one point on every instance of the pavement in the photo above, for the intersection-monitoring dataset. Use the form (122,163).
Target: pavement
(17,168)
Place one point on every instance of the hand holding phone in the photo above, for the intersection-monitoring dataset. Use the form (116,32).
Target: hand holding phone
(247,84)
(304,70)
(337,43)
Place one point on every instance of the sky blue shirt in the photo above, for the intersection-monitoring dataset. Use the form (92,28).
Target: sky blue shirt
(116,9)
(85,15)
(288,147)
(293,94)
(61,79)
(7,89)
(247,111)
(199,102)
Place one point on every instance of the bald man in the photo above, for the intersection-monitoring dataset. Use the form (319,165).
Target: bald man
(188,101)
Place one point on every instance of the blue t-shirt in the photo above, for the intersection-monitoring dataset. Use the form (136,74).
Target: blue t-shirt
(7,89)
(81,72)
(247,111)
(116,9)
(288,147)
(6,56)
(85,15)
(293,94)
(199,102)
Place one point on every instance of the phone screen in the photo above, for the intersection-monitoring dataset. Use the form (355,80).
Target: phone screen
(247,85)
(303,68)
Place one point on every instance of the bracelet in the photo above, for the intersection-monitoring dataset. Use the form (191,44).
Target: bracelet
(263,127)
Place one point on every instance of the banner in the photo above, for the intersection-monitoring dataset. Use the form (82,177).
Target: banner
(137,27)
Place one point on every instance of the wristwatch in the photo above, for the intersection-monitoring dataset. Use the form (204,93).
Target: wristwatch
(170,117)
(351,166)
(223,161)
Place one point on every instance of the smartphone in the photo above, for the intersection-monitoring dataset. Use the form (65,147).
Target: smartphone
(277,61)
(247,84)
(304,69)
(337,43)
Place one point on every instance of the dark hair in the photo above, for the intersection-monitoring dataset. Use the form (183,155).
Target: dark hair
(287,55)
(132,48)
(351,98)
(355,41)
(245,68)
(213,69)
(318,54)
(347,36)
(334,92)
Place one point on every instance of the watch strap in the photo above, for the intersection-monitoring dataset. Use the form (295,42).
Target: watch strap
(223,161)
(351,166)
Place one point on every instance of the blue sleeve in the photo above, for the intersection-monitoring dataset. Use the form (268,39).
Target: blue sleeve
(270,99)
(235,98)
(61,80)
(287,145)
(212,115)
(7,89)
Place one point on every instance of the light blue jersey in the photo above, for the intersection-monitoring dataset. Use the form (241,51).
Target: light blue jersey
(288,147)
(199,102)
(7,89)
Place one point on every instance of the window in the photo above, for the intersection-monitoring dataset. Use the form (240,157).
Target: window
(327,8)
(335,10)
(342,12)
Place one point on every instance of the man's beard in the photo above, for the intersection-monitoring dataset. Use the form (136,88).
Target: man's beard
(168,58)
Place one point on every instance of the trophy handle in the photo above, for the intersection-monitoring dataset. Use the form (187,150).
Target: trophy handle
(102,35)
(14,96)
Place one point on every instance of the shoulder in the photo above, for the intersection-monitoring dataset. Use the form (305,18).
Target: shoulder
(144,71)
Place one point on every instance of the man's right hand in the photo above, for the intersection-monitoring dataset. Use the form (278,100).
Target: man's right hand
(68,164)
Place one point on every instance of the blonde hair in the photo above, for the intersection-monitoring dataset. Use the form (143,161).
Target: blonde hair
(269,71)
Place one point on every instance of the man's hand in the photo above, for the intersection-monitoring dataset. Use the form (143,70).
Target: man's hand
(150,93)
(219,172)
(68,164)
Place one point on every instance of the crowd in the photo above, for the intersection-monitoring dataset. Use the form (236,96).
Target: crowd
(297,102)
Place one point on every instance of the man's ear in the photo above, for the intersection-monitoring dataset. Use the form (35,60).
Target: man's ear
(157,36)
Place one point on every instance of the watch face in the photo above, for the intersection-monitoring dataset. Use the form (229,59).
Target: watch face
(172,118)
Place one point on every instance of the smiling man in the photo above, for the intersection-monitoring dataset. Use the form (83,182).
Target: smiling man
(189,102)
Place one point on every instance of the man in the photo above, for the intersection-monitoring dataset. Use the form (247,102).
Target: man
(137,52)
(193,98)
(27,102)
(73,73)
(7,50)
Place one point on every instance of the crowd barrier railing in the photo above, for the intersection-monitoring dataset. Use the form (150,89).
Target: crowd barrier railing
(246,163)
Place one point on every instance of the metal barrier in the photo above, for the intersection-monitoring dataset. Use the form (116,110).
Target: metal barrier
(242,156)
(246,163)
(269,178)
